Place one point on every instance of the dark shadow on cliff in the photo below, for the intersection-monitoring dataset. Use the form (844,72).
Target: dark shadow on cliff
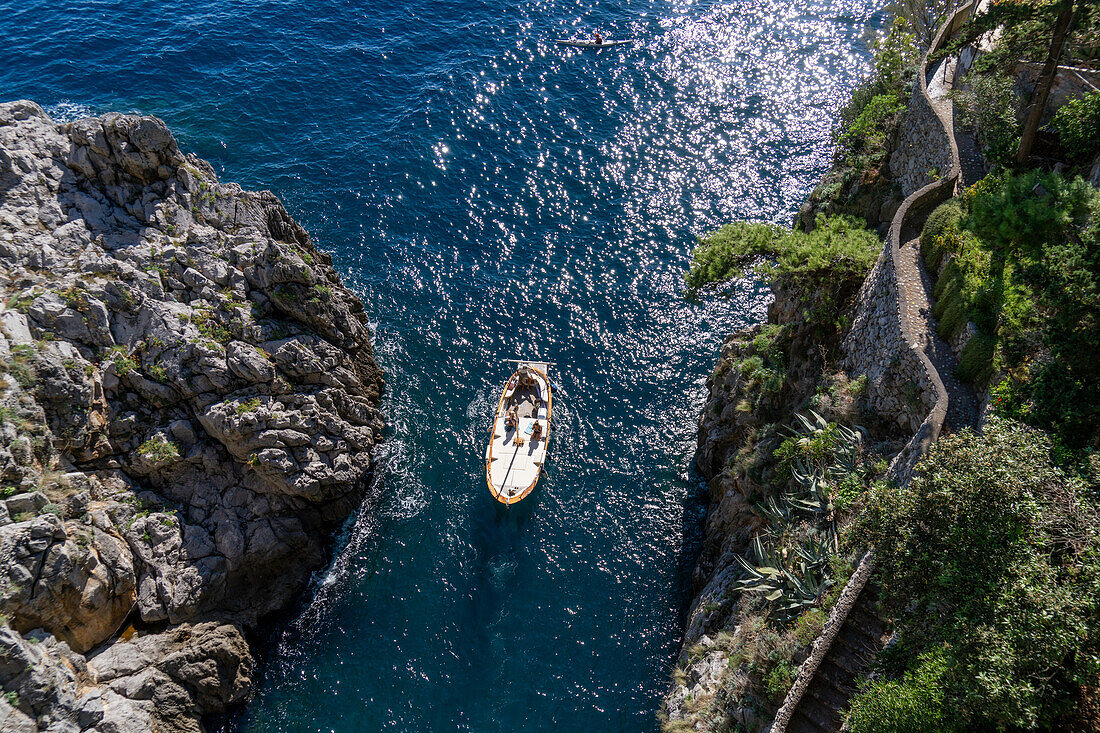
(692,523)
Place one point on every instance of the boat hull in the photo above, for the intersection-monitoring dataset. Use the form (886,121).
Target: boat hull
(515,454)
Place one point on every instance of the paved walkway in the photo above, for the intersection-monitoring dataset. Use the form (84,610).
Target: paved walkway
(864,633)
(971,161)
(962,404)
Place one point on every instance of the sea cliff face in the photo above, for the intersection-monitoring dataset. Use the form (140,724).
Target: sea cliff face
(188,407)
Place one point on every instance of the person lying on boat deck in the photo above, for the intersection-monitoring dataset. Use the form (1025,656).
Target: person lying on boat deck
(536,432)
(511,418)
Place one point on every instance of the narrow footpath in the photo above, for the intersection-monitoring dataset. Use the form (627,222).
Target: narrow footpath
(863,632)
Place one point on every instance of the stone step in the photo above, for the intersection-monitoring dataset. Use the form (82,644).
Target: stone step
(821,715)
(847,656)
(800,723)
(841,679)
(871,625)
(827,693)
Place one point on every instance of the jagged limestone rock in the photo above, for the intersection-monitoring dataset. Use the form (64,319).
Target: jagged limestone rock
(188,406)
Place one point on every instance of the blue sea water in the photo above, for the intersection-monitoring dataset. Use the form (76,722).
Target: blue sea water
(490,195)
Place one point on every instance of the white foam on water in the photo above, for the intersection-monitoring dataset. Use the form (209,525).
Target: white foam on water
(66,111)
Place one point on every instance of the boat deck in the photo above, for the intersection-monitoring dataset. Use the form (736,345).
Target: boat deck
(514,460)
(514,468)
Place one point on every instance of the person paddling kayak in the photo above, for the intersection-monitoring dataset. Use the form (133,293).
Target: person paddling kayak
(598,37)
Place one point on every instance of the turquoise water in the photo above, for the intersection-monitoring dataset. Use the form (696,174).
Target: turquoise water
(490,195)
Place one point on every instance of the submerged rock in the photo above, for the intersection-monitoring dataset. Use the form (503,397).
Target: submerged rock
(188,404)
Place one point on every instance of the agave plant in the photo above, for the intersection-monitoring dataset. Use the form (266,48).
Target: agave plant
(791,581)
(814,481)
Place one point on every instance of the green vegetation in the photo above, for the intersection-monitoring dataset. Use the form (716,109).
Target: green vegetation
(306,256)
(210,326)
(158,372)
(248,405)
(867,133)
(1025,269)
(794,574)
(285,293)
(122,358)
(824,262)
(868,120)
(21,365)
(1024,32)
(1027,30)
(75,297)
(989,106)
(912,704)
(158,450)
(990,561)
(1078,126)
(21,303)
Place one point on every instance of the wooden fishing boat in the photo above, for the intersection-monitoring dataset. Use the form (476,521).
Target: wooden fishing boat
(520,437)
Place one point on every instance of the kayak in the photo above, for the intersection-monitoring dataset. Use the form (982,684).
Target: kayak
(591,44)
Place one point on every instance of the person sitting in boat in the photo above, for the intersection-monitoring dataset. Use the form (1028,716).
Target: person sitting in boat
(598,38)
(511,418)
(536,432)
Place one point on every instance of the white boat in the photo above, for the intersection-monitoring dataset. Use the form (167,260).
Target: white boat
(583,43)
(520,437)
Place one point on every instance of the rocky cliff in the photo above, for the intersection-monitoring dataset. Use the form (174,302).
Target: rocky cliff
(188,406)
(764,376)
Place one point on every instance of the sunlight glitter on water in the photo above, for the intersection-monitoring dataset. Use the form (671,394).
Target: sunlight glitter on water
(491,194)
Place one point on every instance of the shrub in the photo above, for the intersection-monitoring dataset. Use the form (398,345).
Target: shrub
(21,365)
(158,450)
(870,128)
(838,247)
(976,359)
(913,704)
(874,109)
(809,626)
(952,315)
(1044,232)
(990,554)
(779,680)
(990,107)
(857,386)
(725,254)
(947,214)
(210,326)
(1077,123)
(248,405)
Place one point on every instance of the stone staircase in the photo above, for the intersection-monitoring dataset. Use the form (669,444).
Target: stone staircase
(855,632)
(861,636)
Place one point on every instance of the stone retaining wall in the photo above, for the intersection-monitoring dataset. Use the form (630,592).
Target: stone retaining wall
(881,344)
(922,153)
(933,391)
(898,387)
